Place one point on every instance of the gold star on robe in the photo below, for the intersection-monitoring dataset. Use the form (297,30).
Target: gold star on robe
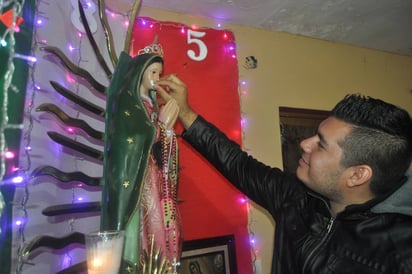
(126,184)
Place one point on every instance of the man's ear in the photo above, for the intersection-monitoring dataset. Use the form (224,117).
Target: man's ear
(359,175)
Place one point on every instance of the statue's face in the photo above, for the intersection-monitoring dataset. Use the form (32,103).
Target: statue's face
(152,73)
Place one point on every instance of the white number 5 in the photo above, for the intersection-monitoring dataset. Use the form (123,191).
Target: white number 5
(202,47)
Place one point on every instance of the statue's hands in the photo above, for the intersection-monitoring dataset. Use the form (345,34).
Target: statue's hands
(168,113)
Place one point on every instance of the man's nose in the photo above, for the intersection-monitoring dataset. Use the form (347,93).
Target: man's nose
(306,144)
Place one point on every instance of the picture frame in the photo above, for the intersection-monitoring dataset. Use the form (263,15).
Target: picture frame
(297,124)
(215,255)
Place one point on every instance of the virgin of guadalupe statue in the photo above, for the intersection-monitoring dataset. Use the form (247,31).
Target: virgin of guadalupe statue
(140,166)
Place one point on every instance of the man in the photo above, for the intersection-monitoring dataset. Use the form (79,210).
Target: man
(348,208)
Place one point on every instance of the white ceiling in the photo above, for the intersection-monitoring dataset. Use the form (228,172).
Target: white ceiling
(377,24)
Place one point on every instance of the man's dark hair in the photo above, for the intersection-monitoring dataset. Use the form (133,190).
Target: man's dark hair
(381,137)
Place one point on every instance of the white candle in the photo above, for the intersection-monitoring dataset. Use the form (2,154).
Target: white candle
(104,252)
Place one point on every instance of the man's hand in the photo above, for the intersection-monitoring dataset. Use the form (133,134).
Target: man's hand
(171,86)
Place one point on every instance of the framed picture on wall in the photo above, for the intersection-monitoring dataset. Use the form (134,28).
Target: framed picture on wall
(297,124)
(215,255)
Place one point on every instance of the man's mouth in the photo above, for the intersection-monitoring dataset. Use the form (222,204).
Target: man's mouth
(302,161)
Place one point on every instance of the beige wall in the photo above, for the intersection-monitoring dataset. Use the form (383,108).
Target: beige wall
(295,71)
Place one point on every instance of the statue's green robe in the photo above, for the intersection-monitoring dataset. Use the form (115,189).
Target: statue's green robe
(129,136)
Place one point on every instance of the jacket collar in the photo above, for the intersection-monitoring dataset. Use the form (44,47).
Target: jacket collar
(399,201)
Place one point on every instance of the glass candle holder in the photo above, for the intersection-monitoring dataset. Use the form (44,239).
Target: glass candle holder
(104,251)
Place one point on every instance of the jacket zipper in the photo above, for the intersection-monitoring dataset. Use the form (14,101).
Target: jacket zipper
(319,245)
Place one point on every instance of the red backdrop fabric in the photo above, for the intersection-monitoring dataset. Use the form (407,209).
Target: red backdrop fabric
(205,59)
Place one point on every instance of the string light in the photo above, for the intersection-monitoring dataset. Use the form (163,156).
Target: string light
(70,130)
(9,155)
(7,84)
(68,259)
(18,179)
(23,179)
(243,91)
(228,45)
(71,48)
(31,59)
(39,22)
(8,40)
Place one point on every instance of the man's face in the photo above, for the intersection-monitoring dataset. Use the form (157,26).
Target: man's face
(319,166)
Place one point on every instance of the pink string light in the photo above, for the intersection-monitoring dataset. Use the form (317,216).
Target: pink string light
(9,155)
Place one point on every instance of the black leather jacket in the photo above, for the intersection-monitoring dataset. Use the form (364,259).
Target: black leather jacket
(375,237)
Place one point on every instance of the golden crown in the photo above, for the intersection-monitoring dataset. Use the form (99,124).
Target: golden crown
(155,48)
